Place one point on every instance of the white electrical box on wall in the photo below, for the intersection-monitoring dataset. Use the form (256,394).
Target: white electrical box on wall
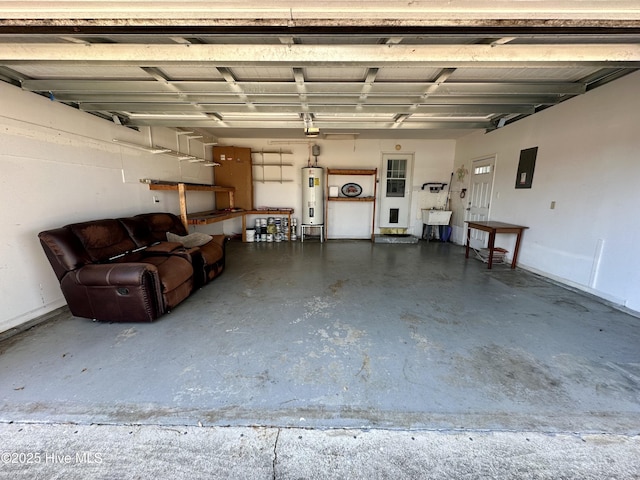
(312,196)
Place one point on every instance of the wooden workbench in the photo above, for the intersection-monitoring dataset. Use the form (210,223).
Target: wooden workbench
(214,216)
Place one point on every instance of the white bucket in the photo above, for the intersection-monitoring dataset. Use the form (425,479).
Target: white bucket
(251,235)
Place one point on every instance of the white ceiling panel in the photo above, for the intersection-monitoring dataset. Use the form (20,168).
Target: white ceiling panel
(355,116)
(52,71)
(550,74)
(328,74)
(192,72)
(267,74)
(260,117)
(407,74)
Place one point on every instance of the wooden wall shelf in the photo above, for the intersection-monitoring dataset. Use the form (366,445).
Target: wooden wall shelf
(279,164)
(352,199)
(189,187)
(372,199)
(352,171)
(201,218)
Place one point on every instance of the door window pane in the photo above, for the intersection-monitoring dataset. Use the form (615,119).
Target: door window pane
(396,177)
(482,170)
(395,188)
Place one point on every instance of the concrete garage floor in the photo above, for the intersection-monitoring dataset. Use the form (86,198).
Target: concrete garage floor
(344,359)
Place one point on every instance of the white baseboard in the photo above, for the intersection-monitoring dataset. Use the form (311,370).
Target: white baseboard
(29,319)
(613,301)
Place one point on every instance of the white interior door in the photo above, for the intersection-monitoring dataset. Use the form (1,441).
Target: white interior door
(480,198)
(395,200)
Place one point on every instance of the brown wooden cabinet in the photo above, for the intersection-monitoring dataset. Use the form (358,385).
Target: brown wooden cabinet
(235,171)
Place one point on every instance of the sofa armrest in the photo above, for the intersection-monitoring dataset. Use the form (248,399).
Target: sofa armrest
(115,274)
(220,240)
(115,292)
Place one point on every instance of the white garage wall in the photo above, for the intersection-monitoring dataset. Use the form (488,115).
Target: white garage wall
(433,160)
(588,163)
(58,166)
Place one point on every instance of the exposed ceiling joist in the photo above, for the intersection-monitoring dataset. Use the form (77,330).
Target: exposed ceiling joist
(267,88)
(557,55)
(484,109)
(149,99)
(344,123)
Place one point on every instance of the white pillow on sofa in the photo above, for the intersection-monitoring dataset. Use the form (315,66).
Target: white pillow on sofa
(196,239)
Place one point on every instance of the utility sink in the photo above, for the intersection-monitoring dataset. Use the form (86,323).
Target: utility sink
(436,217)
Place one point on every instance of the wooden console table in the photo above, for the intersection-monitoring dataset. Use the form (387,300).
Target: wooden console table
(493,228)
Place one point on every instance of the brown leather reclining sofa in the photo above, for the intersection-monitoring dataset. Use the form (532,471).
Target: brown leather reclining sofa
(125,270)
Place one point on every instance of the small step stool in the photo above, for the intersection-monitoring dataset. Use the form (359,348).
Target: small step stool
(304,227)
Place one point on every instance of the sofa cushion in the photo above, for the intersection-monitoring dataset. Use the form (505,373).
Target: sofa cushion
(164,247)
(103,239)
(138,230)
(172,270)
(161,223)
(196,239)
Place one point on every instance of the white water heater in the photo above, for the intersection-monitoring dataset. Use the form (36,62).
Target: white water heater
(312,196)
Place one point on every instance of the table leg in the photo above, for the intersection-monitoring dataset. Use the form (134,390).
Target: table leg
(492,240)
(244,227)
(466,255)
(516,250)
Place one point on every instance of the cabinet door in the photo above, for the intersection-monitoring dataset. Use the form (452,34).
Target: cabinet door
(235,170)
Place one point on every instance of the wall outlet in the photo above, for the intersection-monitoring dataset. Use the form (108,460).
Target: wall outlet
(156,199)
